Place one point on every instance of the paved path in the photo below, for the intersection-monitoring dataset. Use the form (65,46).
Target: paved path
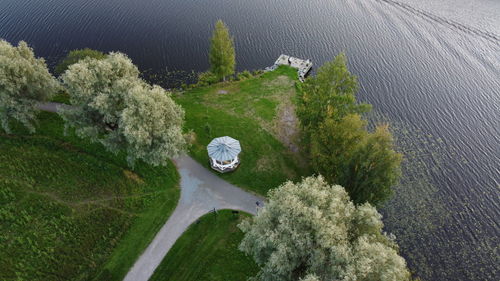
(51,106)
(201,192)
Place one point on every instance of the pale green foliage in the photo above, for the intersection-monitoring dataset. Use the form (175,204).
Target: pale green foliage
(222,56)
(24,82)
(152,125)
(113,106)
(311,230)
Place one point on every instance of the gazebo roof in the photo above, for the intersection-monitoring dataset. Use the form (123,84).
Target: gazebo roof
(223,148)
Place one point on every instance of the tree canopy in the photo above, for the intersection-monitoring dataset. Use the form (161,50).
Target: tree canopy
(24,82)
(364,163)
(222,55)
(113,106)
(75,56)
(339,144)
(331,93)
(312,231)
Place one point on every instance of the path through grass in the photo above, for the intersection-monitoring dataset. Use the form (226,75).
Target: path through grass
(250,111)
(208,251)
(69,210)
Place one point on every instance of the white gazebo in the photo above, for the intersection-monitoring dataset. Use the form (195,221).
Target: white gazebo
(223,153)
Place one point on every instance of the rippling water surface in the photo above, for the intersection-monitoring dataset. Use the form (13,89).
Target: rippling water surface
(431,68)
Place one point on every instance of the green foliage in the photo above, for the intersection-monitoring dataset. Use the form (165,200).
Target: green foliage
(222,56)
(247,111)
(340,147)
(257,72)
(113,106)
(61,97)
(244,75)
(24,82)
(331,93)
(208,251)
(75,56)
(366,164)
(206,79)
(67,206)
(312,231)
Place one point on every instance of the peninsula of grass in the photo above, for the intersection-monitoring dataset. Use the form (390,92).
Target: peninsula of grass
(69,210)
(259,113)
(208,251)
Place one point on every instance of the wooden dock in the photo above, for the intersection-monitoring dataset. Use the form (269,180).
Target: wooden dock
(303,66)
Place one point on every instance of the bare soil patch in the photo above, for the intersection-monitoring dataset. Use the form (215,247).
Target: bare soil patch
(281,80)
(133,176)
(286,126)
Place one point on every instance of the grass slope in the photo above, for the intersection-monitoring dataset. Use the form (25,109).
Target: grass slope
(249,111)
(208,251)
(69,210)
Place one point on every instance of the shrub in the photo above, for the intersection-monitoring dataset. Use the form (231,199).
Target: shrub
(206,78)
(244,75)
(75,56)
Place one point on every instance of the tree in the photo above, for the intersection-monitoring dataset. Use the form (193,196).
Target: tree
(366,164)
(75,56)
(312,231)
(24,82)
(113,106)
(222,56)
(339,145)
(331,93)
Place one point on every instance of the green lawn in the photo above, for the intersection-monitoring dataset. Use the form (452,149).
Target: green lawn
(69,210)
(250,111)
(208,251)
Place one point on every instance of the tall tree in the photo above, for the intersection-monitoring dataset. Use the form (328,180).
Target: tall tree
(366,164)
(312,231)
(113,106)
(222,55)
(340,147)
(24,82)
(331,93)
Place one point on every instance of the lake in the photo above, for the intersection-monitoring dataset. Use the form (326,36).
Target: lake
(431,68)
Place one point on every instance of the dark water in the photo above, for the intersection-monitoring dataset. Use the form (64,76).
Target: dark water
(430,67)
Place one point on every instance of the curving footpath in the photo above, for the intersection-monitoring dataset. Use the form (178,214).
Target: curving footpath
(201,193)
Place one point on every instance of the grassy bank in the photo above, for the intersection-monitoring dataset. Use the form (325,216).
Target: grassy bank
(69,210)
(208,251)
(259,113)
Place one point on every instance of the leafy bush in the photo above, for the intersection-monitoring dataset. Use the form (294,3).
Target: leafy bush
(257,72)
(206,78)
(244,75)
(75,56)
